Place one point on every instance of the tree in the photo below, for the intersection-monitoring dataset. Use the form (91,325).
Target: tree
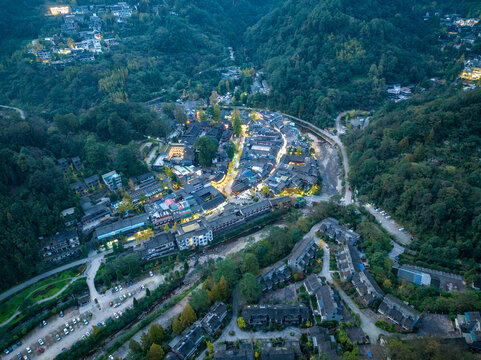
(230,149)
(250,264)
(207,148)
(220,290)
(177,326)
(265,190)
(145,342)
(250,289)
(217,113)
(188,316)
(236,122)
(135,303)
(199,301)
(156,352)
(84,250)
(213,97)
(147,292)
(156,334)
(166,228)
(135,347)
(229,269)
(241,322)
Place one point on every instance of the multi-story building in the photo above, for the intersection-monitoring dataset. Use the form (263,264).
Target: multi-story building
(125,227)
(160,245)
(193,234)
(62,246)
(112,180)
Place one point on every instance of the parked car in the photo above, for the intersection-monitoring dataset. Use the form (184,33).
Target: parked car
(116,289)
(86,322)
(44,323)
(71,329)
(40,341)
(58,337)
(151,273)
(41,350)
(116,315)
(61,314)
(74,321)
(65,331)
(120,287)
(29,351)
(111,303)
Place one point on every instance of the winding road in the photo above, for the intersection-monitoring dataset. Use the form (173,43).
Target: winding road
(20,111)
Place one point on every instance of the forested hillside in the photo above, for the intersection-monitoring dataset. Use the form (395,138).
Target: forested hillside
(420,160)
(323,56)
(92,110)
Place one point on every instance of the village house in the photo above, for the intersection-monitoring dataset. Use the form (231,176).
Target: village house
(399,313)
(328,307)
(330,227)
(278,314)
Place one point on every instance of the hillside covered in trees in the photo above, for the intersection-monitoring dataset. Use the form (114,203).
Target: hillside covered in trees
(323,56)
(420,161)
(94,110)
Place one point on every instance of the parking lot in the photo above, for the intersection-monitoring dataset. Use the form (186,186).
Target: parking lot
(95,313)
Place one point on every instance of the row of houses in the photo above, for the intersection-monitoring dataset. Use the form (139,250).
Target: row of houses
(351,269)
(327,302)
(263,315)
(191,340)
(196,233)
(287,350)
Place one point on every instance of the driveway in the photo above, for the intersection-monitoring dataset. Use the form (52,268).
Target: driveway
(367,325)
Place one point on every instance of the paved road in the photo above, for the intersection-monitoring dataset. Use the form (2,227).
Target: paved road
(46,299)
(32,281)
(369,328)
(20,111)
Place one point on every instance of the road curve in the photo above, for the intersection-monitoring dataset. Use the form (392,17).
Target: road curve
(32,281)
(20,111)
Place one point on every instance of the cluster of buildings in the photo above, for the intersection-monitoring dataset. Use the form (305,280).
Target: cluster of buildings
(61,247)
(296,168)
(192,339)
(398,93)
(180,157)
(352,269)
(81,36)
(266,350)
(259,155)
(464,32)
(469,326)
(328,304)
(200,231)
